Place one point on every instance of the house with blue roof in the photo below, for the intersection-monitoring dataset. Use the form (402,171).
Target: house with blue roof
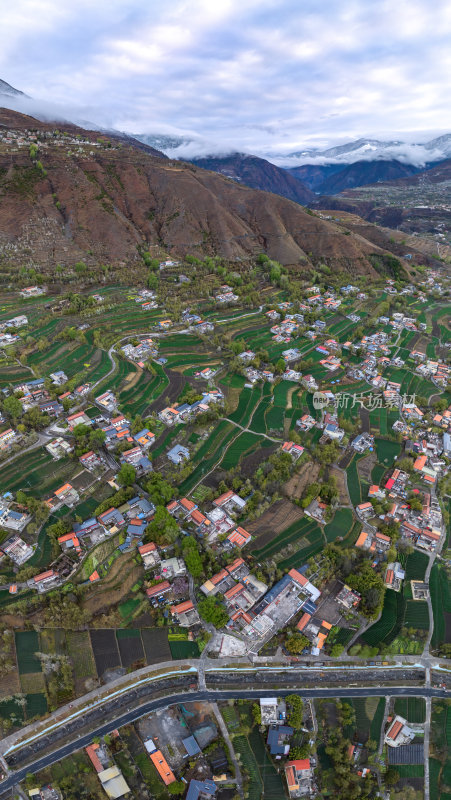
(201,790)
(278,740)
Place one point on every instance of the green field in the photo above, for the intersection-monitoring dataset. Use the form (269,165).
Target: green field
(249,762)
(388,626)
(413,709)
(441,604)
(36,472)
(297,532)
(386,451)
(358,489)
(340,525)
(184,649)
(27,644)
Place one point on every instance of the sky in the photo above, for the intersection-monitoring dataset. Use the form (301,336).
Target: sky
(269,77)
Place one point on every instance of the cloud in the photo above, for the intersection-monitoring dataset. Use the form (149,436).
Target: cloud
(247,75)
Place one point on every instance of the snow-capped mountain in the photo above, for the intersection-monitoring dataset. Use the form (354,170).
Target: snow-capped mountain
(8,90)
(418,154)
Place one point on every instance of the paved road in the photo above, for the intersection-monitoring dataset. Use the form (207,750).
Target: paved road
(42,439)
(207,696)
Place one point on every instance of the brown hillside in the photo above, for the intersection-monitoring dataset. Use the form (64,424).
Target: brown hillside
(100,202)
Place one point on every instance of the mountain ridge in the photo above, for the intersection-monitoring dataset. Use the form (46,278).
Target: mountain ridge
(104,202)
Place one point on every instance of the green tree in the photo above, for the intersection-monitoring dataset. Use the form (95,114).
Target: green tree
(296,643)
(176,788)
(159,489)
(162,528)
(192,557)
(13,407)
(126,475)
(211,611)
(295,711)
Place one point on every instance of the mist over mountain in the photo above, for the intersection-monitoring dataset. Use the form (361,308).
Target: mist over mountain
(417,153)
(9,91)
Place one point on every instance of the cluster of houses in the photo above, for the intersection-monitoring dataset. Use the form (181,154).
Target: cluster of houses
(145,349)
(226,296)
(178,413)
(423,528)
(299,773)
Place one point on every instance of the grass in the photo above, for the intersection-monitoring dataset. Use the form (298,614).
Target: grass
(413,709)
(247,758)
(340,525)
(387,451)
(80,654)
(297,531)
(387,627)
(37,473)
(441,603)
(415,566)
(27,644)
(357,489)
(182,650)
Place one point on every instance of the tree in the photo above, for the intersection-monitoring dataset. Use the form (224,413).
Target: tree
(162,528)
(192,557)
(299,752)
(177,787)
(211,611)
(295,713)
(391,777)
(126,475)
(13,407)
(159,490)
(296,643)
(256,713)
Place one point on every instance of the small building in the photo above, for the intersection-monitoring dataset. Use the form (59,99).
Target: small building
(162,767)
(201,790)
(398,733)
(269,711)
(278,740)
(185,614)
(113,782)
(298,775)
(178,454)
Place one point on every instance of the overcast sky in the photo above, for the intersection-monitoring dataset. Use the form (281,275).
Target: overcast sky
(259,75)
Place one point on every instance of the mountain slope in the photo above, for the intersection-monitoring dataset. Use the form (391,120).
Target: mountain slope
(258,174)
(9,91)
(338,178)
(99,201)
(417,204)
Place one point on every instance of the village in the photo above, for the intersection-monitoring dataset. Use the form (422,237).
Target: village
(338,429)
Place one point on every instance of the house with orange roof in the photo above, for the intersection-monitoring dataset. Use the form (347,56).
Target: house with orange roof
(298,775)
(394,576)
(158,590)
(149,554)
(398,733)
(169,415)
(303,622)
(44,581)
(238,538)
(70,541)
(185,614)
(295,450)
(91,751)
(65,495)
(162,767)
(376,491)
